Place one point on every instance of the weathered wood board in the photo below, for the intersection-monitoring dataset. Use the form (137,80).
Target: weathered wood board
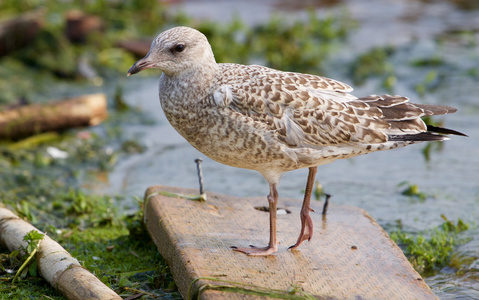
(349,257)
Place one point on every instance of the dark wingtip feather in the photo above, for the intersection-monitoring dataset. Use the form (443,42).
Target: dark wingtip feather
(433,134)
(444,130)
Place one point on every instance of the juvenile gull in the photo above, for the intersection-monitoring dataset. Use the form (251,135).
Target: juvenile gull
(273,122)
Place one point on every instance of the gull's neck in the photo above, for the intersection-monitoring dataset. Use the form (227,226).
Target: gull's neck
(195,83)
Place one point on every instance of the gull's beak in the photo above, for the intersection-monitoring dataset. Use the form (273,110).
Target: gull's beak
(140,65)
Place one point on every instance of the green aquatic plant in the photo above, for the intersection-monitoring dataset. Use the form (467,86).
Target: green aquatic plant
(318,191)
(18,265)
(120,253)
(432,250)
(430,81)
(238,288)
(231,42)
(432,61)
(33,239)
(302,46)
(375,63)
(21,262)
(50,192)
(412,190)
(431,147)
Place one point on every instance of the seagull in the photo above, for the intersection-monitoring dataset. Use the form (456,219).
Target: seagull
(258,118)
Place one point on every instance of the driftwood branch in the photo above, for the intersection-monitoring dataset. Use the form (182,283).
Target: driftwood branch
(54,263)
(28,120)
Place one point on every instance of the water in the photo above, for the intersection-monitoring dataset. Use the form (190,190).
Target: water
(370,181)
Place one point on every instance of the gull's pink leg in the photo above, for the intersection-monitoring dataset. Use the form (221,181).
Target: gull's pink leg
(272,246)
(306,222)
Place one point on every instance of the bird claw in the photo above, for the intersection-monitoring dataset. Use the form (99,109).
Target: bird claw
(256,251)
(306,228)
(300,240)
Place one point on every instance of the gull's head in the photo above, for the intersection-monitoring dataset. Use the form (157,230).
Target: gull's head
(176,51)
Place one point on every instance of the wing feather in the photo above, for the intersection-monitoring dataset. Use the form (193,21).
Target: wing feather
(312,111)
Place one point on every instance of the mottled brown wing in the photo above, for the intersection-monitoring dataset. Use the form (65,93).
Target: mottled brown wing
(304,110)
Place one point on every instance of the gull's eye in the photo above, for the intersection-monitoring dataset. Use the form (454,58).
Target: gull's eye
(179,48)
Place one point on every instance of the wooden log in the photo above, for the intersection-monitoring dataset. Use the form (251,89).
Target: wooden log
(54,263)
(20,31)
(349,257)
(138,47)
(89,110)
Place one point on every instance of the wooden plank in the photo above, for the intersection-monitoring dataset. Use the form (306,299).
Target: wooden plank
(349,257)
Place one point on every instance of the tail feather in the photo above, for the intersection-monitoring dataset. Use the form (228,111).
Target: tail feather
(436,109)
(404,118)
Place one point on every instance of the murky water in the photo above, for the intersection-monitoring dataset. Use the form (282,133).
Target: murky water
(370,181)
